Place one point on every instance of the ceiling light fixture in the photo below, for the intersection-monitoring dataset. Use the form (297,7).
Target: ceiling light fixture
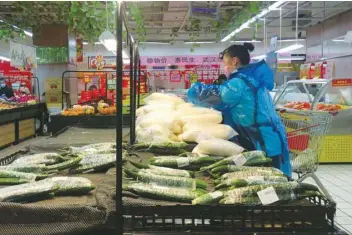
(243,41)
(291,58)
(296,45)
(156,43)
(206,42)
(292,40)
(274,6)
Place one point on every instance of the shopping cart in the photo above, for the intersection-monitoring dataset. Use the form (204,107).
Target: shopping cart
(305,131)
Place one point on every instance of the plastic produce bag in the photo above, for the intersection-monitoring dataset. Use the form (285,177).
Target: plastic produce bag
(153,134)
(40,158)
(161,97)
(217,147)
(219,131)
(214,118)
(72,185)
(190,111)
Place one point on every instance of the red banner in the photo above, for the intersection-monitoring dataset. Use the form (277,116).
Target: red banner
(342,82)
(14,77)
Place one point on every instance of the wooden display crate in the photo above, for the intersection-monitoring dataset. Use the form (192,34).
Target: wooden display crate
(7,134)
(26,128)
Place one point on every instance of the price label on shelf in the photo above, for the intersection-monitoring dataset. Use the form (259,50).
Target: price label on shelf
(239,160)
(268,196)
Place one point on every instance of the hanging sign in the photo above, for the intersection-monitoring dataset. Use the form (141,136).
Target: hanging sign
(179,60)
(342,82)
(79,49)
(175,76)
(273,43)
(14,77)
(22,56)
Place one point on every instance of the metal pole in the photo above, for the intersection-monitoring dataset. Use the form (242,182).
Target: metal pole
(139,81)
(119,119)
(132,55)
(133,110)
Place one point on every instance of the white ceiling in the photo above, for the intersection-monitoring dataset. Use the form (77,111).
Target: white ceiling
(162,17)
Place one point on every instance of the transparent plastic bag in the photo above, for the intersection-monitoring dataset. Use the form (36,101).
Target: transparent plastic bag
(162,97)
(72,185)
(213,118)
(217,147)
(220,131)
(153,134)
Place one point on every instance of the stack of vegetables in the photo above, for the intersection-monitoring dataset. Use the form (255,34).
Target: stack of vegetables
(31,174)
(78,110)
(168,118)
(237,177)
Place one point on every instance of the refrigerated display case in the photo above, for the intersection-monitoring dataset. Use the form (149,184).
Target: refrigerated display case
(333,97)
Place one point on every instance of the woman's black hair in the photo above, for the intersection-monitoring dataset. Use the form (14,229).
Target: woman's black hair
(222,77)
(239,51)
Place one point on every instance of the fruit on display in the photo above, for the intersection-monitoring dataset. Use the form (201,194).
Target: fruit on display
(78,110)
(328,107)
(105,109)
(318,107)
(4,106)
(298,105)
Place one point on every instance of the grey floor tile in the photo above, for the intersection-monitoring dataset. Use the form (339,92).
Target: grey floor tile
(348,212)
(344,205)
(347,228)
(345,220)
(340,213)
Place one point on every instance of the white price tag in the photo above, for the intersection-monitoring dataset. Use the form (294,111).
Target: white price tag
(257,177)
(182,162)
(239,160)
(216,194)
(268,196)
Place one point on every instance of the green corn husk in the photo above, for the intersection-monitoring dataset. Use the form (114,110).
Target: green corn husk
(164,170)
(170,181)
(252,158)
(165,193)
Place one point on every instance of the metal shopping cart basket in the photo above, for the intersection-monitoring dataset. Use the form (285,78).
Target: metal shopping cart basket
(305,131)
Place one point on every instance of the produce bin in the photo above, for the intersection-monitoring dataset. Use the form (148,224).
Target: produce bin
(18,124)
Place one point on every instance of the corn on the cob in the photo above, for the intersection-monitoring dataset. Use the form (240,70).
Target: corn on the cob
(250,158)
(23,191)
(170,181)
(157,170)
(234,168)
(162,148)
(254,180)
(166,193)
(35,159)
(26,168)
(20,175)
(246,174)
(284,191)
(182,162)
(64,165)
(96,163)
(72,185)
(209,198)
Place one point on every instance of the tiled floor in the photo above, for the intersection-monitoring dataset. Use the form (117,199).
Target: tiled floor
(338,181)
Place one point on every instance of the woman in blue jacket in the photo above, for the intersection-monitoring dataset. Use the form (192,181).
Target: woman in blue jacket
(246,104)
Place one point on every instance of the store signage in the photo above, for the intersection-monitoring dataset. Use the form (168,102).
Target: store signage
(175,76)
(342,82)
(14,77)
(22,56)
(99,62)
(179,60)
(273,43)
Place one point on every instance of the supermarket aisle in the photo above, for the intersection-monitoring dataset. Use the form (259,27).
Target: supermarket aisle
(338,180)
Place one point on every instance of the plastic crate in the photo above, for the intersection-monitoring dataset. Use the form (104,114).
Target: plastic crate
(315,218)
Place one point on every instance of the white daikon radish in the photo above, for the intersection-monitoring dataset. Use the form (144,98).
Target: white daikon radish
(217,147)
(184,106)
(164,117)
(176,129)
(158,107)
(214,118)
(163,98)
(153,134)
(197,111)
(173,137)
(191,132)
